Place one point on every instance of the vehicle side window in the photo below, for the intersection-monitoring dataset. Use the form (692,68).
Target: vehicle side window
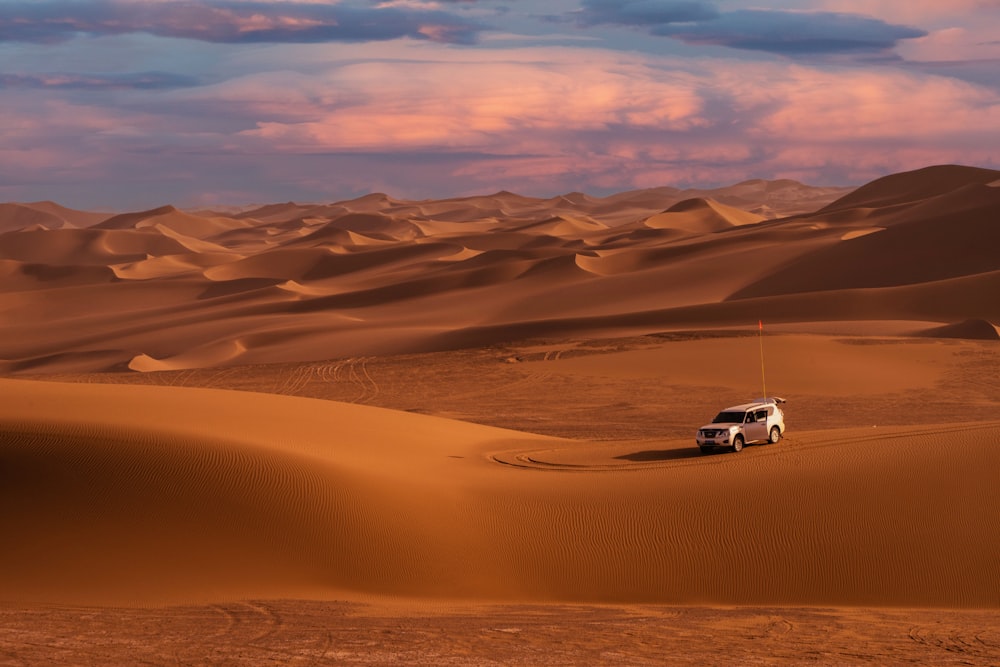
(749,419)
(761,415)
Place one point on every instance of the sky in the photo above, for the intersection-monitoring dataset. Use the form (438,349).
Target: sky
(133,104)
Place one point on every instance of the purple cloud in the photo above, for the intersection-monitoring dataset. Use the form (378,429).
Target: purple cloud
(227,21)
(644,12)
(774,31)
(129,81)
(792,33)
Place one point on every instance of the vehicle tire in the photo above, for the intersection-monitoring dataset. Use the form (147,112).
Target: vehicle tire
(775,435)
(738,443)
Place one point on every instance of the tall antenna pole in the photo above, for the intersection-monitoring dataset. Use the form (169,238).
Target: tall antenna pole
(763,382)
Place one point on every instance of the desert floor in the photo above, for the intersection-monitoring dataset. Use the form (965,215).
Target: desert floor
(537,503)
(286,632)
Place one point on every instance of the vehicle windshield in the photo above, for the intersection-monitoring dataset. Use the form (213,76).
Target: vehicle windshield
(728,418)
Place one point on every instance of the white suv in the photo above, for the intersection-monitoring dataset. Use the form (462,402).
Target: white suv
(761,421)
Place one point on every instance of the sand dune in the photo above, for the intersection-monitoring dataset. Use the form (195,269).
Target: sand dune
(86,246)
(227,506)
(929,241)
(973,329)
(373,225)
(28,276)
(169,219)
(913,186)
(271,213)
(701,216)
(20,216)
(178,495)
(133,219)
(403,276)
(45,215)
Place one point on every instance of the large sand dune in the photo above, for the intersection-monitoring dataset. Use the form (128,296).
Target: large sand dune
(126,494)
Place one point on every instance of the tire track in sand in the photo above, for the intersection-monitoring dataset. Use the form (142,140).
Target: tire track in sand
(260,625)
(355,373)
(964,642)
(546,459)
(296,380)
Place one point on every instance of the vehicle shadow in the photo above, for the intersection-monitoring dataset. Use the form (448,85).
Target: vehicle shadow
(662,455)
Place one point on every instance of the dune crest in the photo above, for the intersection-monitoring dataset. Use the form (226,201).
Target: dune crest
(913,186)
(699,216)
(218,354)
(971,329)
(858,233)
(44,215)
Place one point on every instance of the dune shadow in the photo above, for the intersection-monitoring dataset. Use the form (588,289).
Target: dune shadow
(236,286)
(662,455)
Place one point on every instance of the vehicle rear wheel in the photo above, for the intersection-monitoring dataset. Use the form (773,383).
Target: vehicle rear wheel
(738,443)
(775,435)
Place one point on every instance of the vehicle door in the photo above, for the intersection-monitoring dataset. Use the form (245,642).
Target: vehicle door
(753,429)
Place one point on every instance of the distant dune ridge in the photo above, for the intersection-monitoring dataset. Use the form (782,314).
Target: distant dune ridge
(44,215)
(288,282)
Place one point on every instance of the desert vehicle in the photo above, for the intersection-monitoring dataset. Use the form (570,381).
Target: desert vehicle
(758,422)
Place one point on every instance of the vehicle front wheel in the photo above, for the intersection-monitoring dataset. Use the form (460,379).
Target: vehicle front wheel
(775,435)
(738,443)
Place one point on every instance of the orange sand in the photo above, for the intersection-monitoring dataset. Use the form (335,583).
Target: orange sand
(165,289)
(562,353)
(178,495)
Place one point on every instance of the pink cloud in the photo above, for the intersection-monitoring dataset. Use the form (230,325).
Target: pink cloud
(977,42)
(911,11)
(486,105)
(888,105)
(565,106)
(424,120)
(959,29)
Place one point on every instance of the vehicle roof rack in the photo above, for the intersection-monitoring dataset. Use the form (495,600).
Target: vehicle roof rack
(773,400)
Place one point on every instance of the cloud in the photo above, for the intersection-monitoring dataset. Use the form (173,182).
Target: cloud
(792,33)
(915,11)
(955,45)
(71,81)
(644,12)
(481,104)
(420,4)
(775,31)
(556,119)
(228,21)
(872,108)
(423,120)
